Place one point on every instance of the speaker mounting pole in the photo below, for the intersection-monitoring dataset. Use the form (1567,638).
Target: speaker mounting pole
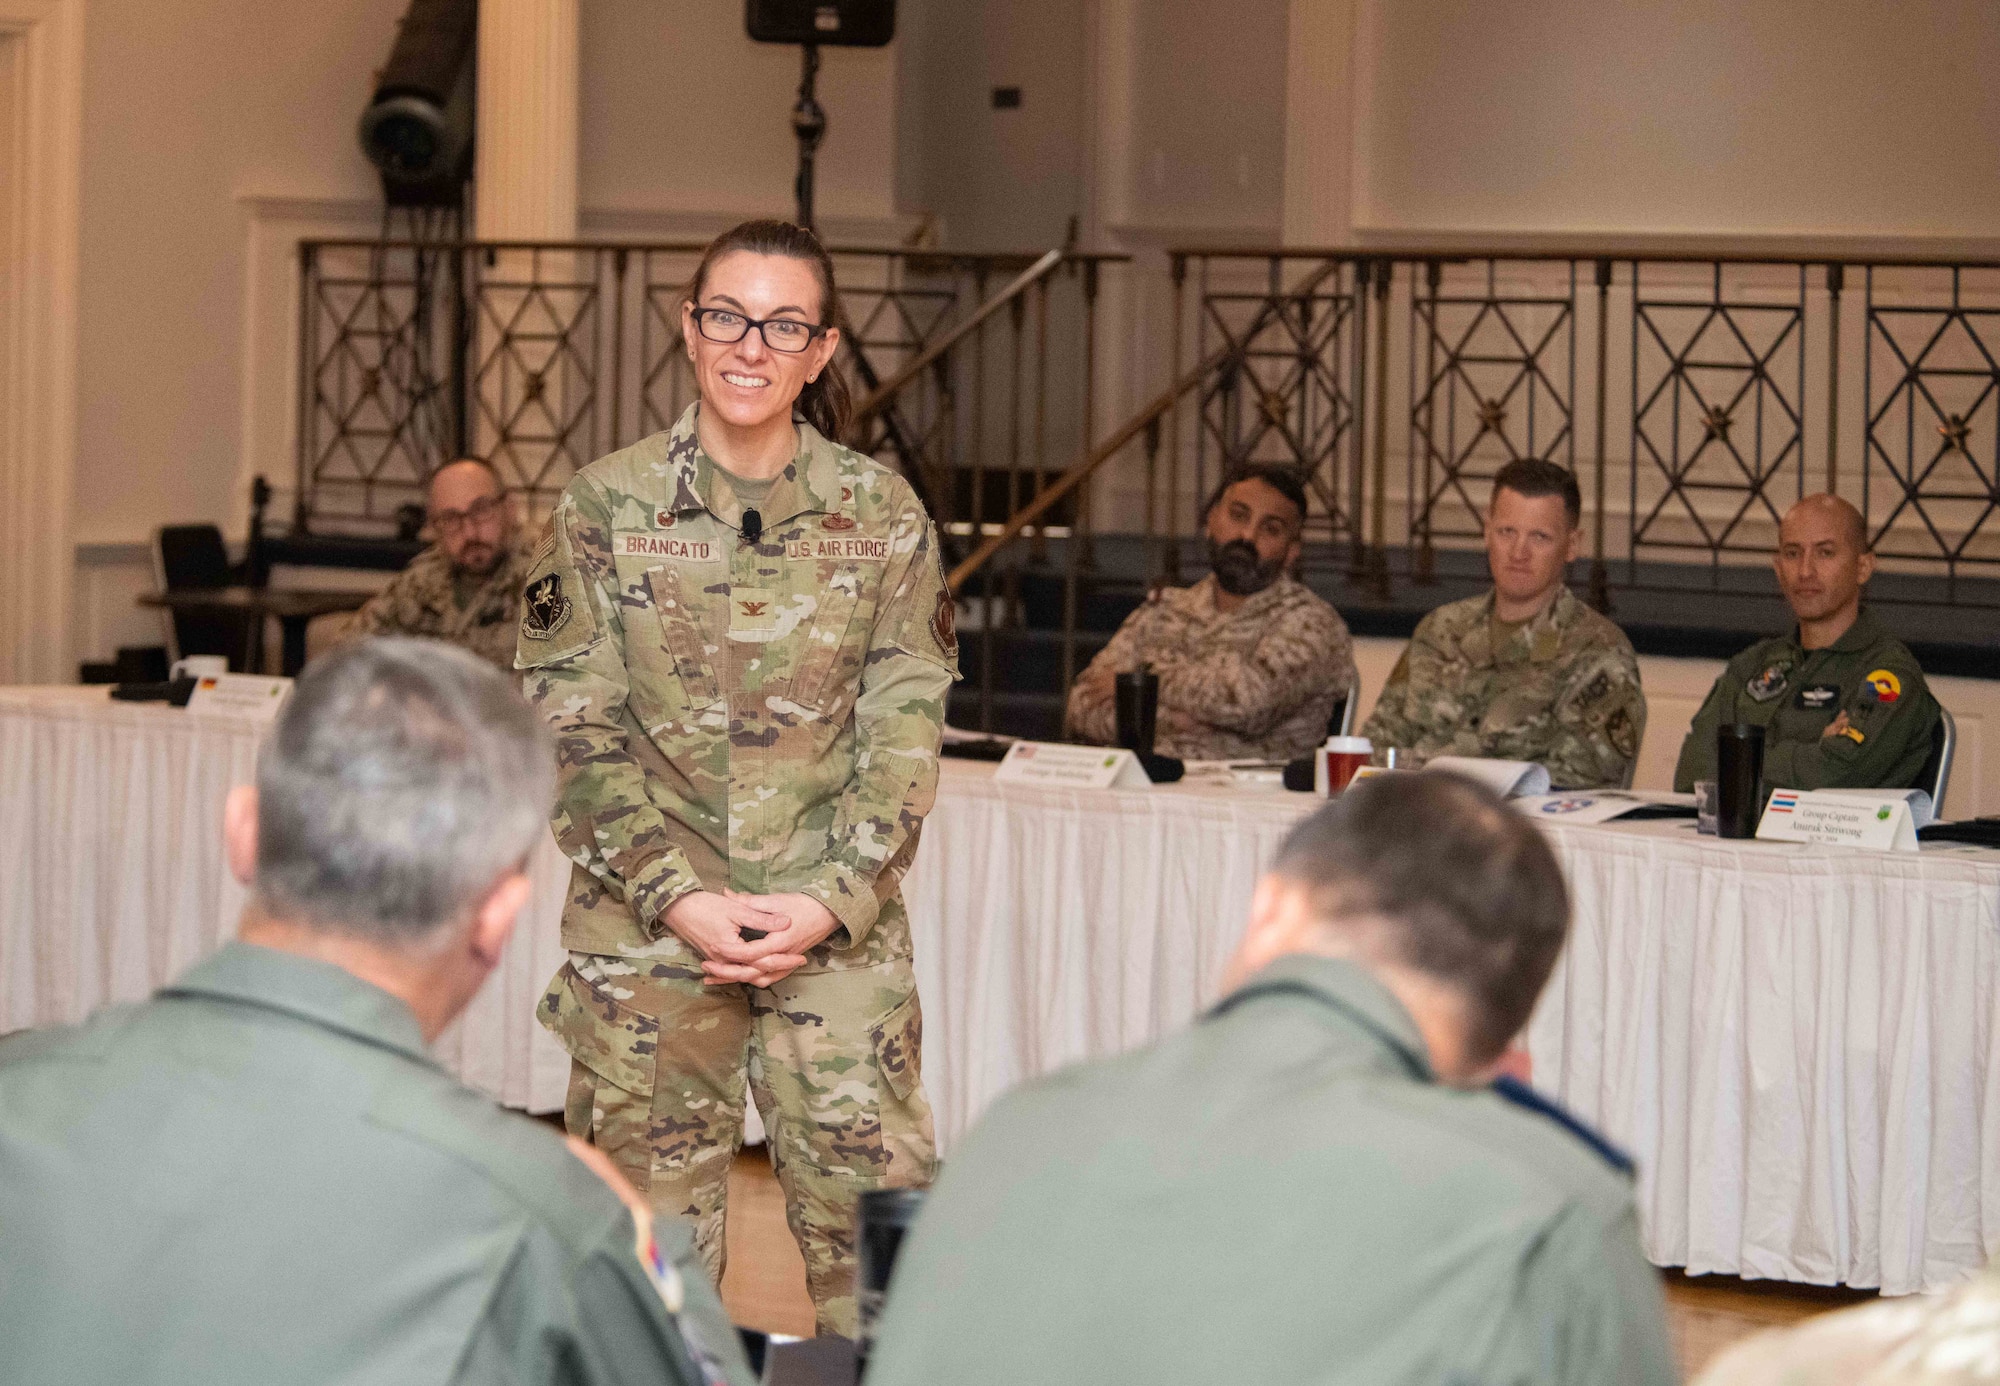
(809,124)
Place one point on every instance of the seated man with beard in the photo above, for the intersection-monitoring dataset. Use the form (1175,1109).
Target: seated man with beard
(1250,661)
(465,589)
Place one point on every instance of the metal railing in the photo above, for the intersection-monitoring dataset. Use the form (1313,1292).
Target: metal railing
(1695,396)
(544,356)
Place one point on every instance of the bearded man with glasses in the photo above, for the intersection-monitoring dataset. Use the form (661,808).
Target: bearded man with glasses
(465,589)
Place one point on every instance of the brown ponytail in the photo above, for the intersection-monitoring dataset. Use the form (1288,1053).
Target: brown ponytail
(824,403)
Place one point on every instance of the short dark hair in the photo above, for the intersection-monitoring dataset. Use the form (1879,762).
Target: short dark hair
(1532,477)
(1284,480)
(1467,888)
(824,403)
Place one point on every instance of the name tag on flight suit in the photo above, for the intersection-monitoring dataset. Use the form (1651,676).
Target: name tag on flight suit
(1819,697)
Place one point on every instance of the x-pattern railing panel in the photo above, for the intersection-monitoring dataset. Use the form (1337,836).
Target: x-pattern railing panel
(543,357)
(1496,381)
(1287,396)
(1718,386)
(1933,485)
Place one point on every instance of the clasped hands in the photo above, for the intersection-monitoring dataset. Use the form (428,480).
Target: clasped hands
(713,925)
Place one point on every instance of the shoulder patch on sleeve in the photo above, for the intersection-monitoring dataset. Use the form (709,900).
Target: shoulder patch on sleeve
(557,617)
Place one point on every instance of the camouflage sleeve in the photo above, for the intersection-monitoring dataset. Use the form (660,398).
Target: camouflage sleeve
(1599,720)
(384,614)
(1294,662)
(898,723)
(1393,721)
(572,647)
(1890,714)
(1092,715)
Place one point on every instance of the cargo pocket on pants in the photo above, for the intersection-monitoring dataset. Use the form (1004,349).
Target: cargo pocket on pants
(611,1039)
(907,1136)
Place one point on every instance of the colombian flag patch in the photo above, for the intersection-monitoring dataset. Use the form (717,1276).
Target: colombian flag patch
(1887,686)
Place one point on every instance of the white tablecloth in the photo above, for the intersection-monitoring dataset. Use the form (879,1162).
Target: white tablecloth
(112,879)
(1798,1045)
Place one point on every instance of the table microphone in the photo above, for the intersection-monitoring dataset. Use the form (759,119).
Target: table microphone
(753,526)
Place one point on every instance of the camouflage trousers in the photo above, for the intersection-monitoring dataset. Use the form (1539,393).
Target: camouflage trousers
(660,1066)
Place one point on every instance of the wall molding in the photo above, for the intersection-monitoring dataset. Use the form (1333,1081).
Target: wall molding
(38,400)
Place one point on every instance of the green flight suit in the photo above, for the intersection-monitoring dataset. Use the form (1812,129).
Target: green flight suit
(1795,693)
(763,716)
(261,1176)
(1282,1193)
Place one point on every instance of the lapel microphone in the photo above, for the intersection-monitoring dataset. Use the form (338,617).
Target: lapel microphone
(753,526)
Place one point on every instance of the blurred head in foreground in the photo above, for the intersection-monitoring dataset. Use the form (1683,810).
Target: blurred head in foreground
(1430,882)
(397,799)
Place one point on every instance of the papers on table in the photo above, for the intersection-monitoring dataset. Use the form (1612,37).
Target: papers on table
(1507,778)
(1598,805)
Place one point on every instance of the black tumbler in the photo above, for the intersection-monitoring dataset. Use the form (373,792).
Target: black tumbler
(1138,709)
(1739,775)
(881,1218)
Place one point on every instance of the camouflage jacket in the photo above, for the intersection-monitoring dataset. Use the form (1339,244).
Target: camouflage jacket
(423,600)
(1257,683)
(758,716)
(1563,691)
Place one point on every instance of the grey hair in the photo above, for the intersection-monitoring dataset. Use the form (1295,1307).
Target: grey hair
(403,779)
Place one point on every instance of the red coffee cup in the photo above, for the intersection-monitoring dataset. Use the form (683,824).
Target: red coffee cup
(1334,763)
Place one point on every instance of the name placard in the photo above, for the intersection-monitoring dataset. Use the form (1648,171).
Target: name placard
(1877,819)
(251,697)
(1072,767)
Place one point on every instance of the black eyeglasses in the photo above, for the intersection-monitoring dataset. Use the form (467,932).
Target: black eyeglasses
(780,334)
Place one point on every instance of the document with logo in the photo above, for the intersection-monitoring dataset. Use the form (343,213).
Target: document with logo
(1883,819)
(1603,805)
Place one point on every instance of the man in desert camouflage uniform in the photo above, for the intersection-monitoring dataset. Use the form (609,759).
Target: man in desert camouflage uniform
(1251,662)
(1525,672)
(752,717)
(465,589)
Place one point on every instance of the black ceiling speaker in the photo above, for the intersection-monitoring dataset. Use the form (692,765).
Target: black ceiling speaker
(417,130)
(846,23)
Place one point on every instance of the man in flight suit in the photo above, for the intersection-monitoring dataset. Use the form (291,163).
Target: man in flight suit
(261,1175)
(1841,700)
(1313,1182)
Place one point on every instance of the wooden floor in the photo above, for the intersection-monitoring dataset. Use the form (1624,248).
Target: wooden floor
(765,1286)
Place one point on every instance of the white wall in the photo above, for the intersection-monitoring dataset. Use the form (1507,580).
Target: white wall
(1797,117)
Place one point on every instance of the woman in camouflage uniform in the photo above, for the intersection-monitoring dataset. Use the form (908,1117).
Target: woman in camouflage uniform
(740,632)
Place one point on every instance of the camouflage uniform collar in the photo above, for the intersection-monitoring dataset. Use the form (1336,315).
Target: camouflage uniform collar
(809,483)
(328,996)
(1352,992)
(1538,640)
(1200,599)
